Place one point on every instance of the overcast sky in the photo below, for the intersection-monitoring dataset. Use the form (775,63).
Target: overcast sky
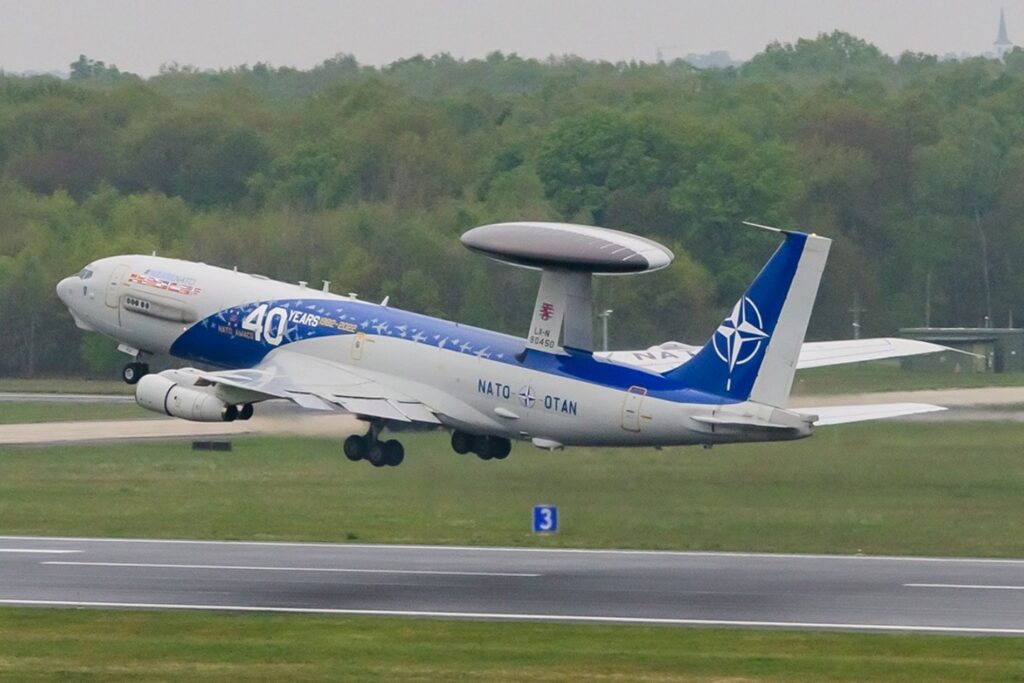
(140,35)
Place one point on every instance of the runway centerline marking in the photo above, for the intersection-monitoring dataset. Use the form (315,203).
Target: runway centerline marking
(39,551)
(335,570)
(509,616)
(966,586)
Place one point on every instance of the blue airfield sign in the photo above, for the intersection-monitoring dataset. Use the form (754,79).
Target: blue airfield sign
(545,519)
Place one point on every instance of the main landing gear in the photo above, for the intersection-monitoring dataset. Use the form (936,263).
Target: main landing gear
(134,371)
(485,447)
(378,453)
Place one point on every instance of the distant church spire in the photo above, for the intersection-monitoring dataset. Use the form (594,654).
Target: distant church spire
(1003,44)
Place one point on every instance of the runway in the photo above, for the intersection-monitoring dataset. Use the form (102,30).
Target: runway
(271,420)
(971,596)
(42,397)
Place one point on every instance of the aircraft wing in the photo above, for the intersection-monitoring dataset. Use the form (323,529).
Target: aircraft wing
(837,415)
(318,384)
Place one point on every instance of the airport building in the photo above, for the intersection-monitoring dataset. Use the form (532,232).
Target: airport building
(994,349)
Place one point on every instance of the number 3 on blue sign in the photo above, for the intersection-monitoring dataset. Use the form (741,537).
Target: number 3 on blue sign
(545,519)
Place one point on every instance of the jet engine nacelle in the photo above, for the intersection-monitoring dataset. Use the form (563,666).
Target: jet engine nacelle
(163,395)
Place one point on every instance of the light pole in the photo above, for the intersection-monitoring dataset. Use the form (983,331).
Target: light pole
(856,311)
(604,325)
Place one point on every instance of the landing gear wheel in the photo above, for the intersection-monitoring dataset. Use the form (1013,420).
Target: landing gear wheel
(462,443)
(245,412)
(482,447)
(501,448)
(375,454)
(491,447)
(393,452)
(356,448)
(133,372)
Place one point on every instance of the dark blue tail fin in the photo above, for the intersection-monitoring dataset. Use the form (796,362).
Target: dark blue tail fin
(753,353)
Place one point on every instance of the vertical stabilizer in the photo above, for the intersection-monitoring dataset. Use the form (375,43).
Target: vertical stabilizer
(753,353)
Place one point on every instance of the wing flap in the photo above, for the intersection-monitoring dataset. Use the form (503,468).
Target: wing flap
(316,384)
(308,401)
(417,412)
(836,415)
(366,389)
(371,407)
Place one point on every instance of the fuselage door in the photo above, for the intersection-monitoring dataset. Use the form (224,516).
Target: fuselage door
(114,284)
(631,408)
(357,345)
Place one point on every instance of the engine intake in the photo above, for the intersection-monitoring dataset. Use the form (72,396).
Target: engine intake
(163,395)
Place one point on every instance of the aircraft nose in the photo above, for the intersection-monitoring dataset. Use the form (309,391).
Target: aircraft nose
(64,289)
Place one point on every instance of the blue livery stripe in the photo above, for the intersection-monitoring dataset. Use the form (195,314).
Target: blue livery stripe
(226,340)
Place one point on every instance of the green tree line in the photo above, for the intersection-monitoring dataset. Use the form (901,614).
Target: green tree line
(367,176)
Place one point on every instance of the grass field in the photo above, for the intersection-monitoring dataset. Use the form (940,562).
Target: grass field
(902,488)
(97,645)
(13,412)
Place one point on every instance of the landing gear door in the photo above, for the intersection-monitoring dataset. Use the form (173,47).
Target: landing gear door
(631,408)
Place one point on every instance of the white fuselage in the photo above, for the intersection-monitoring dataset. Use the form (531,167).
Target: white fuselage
(474,380)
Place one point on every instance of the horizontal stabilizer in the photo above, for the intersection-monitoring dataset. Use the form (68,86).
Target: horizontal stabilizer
(819,354)
(837,415)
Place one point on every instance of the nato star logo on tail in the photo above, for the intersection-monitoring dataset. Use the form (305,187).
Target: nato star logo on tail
(738,339)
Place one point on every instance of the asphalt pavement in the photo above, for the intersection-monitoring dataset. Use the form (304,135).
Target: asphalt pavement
(857,593)
(43,397)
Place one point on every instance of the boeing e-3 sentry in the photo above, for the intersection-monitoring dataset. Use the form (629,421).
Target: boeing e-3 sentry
(275,340)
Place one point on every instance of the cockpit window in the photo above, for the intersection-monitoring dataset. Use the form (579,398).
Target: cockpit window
(85,274)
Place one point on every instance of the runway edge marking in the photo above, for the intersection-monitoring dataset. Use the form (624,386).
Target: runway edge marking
(39,551)
(964,586)
(510,549)
(501,616)
(336,570)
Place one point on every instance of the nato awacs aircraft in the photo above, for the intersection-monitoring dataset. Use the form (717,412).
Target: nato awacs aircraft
(274,340)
